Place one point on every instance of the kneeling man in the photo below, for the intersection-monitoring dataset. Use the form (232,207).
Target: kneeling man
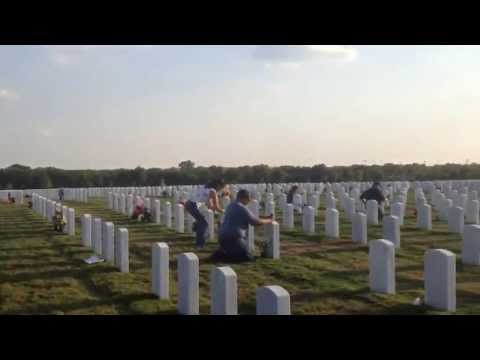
(233,231)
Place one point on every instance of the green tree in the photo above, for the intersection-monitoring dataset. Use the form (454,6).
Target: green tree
(186,165)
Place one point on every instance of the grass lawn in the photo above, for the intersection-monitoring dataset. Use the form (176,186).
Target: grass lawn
(44,273)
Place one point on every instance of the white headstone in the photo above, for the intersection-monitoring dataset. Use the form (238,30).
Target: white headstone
(288,218)
(309,220)
(71,222)
(97,236)
(86,230)
(224,291)
(130,205)
(251,239)
(350,207)
(160,270)
(167,213)
(188,284)
(210,217)
(397,210)
(254,207)
(381,262)
(116,202)
(359,228)
(440,279)
(272,300)
(445,209)
(122,251)
(471,245)
(298,200)
(123,204)
(332,224)
(424,217)
(456,220)
(64,215)
(108,242)
(179,218)
(472,212)
(372,212)
(391,229)
(330,202)
(272,237)
(157,212)
(270,208)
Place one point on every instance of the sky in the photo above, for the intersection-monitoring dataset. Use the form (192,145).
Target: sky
(119,106)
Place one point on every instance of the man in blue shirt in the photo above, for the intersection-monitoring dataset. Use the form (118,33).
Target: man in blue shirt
(233,231)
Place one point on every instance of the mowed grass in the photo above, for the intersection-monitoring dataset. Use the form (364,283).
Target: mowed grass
(43,273)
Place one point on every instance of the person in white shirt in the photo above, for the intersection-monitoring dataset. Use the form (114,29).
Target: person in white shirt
(207,196)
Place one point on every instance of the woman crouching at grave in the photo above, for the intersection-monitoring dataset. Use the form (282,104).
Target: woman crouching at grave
(207,196)
(233,231)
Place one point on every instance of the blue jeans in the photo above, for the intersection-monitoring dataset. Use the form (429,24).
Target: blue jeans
(235,247)
(200,224)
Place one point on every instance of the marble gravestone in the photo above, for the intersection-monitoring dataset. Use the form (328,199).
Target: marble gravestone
(440,279)
(359,228)
(86,228)
(188,284)
(381,262)
(223,291)
(160,270)
(272,300)
(332,224)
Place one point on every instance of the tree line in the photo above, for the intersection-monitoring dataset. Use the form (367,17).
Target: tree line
(23,177)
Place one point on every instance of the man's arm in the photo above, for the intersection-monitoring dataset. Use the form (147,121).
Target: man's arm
(257,221)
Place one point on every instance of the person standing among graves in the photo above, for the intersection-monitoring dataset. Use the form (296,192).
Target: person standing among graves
(61,194)
(233,232)
(291,194)
(291,198)
(374,193)
(207,196)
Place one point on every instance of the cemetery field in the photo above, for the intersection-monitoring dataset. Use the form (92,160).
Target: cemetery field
(42,272)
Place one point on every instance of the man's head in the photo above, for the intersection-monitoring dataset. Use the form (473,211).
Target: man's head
(243,196)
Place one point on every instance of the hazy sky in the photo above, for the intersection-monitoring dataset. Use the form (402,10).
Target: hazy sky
(107,107)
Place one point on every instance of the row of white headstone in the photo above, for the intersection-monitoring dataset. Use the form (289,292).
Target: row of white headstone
(439,273)
(95,234)
(71,194)
(116,203)
(120,202)
(106,240)
(270,300)
(47,208)
(16,194)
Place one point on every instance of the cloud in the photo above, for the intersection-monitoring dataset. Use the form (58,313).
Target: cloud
(69,54)
(8,95)
(294,55)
